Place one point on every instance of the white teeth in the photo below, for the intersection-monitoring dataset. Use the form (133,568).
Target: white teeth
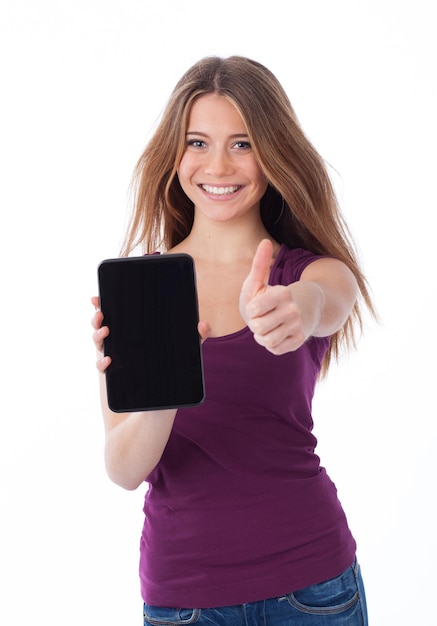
(220,191)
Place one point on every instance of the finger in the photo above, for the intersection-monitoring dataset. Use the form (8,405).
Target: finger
(95,301)
(281,339)
(276,300)
(289,344)
(204,330)
(258,276)
(260,270)
(103,363)
(97,320)
(99,335)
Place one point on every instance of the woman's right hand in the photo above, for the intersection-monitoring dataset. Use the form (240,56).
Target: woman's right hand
(99,334)
(134,441)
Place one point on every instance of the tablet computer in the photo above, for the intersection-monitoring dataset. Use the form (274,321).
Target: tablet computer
(150,305)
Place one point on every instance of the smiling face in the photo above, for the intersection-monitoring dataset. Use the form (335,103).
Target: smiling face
(218,170)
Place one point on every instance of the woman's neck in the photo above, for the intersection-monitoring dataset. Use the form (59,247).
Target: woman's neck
(224,242)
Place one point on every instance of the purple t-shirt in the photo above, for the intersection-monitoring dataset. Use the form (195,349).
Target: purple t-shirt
(239,509)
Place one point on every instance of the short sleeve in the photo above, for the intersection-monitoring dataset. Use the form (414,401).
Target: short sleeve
(290,264)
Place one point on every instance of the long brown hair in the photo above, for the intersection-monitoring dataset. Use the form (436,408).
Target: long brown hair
(299,207)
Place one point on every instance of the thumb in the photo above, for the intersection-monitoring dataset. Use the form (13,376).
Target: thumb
(204,330)
(258,276)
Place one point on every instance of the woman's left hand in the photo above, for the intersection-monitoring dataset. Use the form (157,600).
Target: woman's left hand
(281,317)
(270,311)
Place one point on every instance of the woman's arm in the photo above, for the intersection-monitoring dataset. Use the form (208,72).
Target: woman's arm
(134,442)
(283,317)
(339,291)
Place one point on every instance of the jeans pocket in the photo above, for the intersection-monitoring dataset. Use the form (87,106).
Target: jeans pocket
(163,616)
(332,597)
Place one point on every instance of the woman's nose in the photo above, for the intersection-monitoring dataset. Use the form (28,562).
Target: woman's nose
(219,163)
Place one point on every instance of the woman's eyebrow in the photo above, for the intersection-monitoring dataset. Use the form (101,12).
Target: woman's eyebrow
(199,133)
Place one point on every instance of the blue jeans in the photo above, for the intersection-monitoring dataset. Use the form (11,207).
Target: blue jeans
(340,601)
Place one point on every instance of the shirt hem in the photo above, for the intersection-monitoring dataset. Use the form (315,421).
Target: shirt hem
(254,591)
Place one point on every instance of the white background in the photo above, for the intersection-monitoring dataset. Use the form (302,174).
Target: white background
(82,84)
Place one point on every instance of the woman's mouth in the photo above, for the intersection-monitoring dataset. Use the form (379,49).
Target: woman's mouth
(220,191)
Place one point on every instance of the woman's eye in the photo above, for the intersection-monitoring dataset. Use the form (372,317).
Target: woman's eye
(242,145)
(196,143)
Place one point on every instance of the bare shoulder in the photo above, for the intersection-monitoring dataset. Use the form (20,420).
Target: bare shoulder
(328,269)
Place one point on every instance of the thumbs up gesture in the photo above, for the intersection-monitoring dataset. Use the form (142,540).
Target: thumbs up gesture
(270,311)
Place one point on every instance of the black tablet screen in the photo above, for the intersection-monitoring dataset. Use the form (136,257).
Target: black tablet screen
(150,306)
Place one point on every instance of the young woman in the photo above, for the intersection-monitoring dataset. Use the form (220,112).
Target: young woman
(242,523)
